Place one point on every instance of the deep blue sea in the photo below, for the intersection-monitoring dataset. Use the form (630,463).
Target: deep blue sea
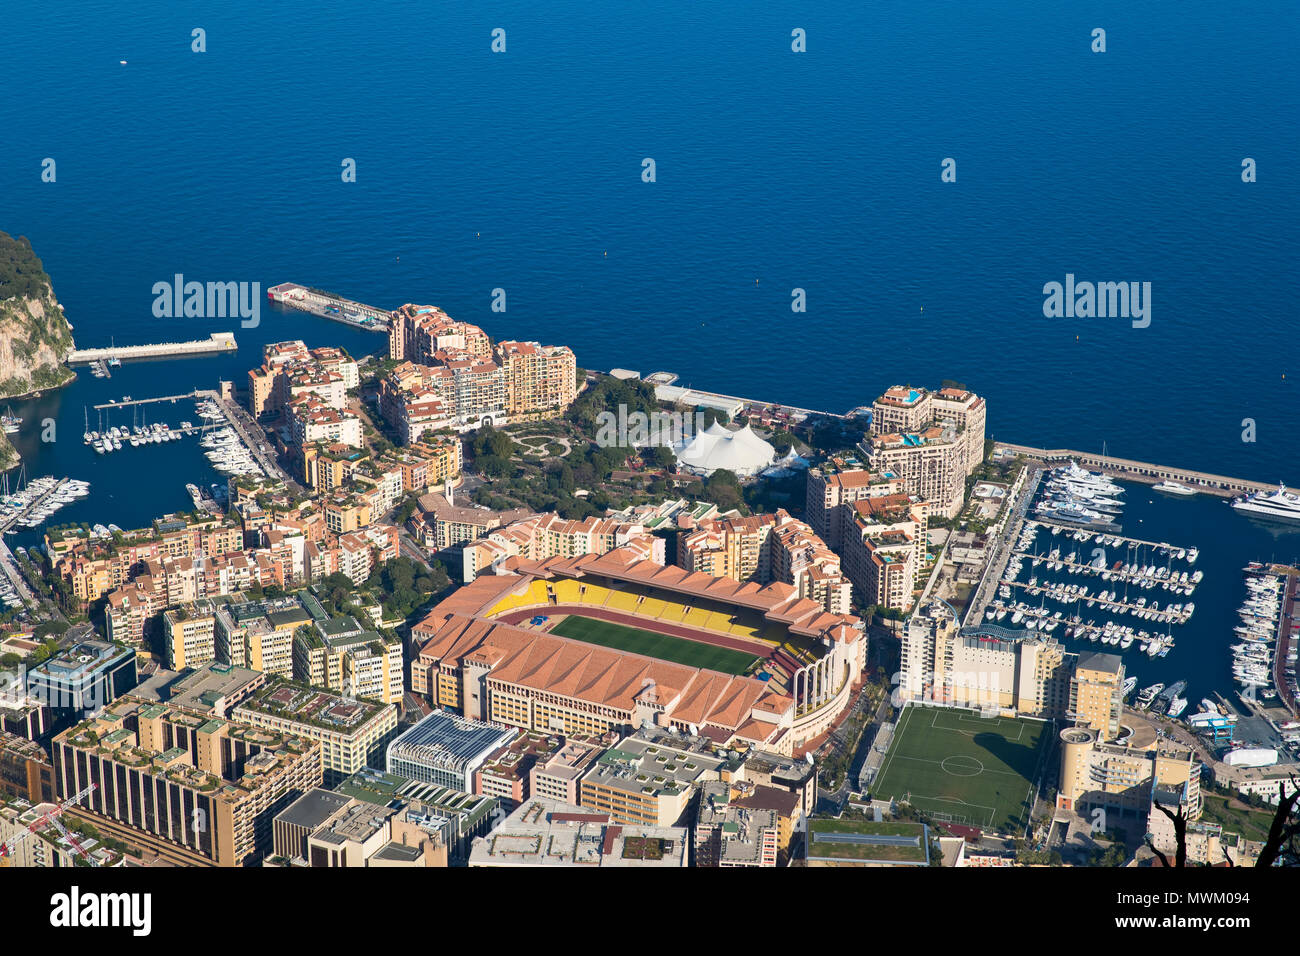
(774,171)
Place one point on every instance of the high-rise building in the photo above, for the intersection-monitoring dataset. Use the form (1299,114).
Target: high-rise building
(884,541)
(1097,693)
(197,791)
(352,733)
(1031,676)
(189,636)
(765,548)
(933,441)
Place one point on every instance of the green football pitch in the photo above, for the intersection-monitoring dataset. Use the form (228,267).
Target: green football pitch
(666,648)
(959,767)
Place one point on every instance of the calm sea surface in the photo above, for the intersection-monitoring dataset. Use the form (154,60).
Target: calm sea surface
(775,171)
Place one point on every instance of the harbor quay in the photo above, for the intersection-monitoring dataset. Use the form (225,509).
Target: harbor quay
(216,342)
(1142,471)
(330,306)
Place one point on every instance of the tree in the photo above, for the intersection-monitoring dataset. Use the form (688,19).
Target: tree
(1282,847)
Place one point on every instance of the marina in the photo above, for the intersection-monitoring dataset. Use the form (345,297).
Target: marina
(140,432)
(30,505)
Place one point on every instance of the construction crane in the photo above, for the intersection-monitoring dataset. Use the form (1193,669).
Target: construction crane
(50,819)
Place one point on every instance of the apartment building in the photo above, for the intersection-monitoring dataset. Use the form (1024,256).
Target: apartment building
(506,775)
(196,791)
(451,377)
(259,635)
(189,636)
(557,776)
(884,545)
(290,371)
(649,778)
(834,486)
(340,655)
(1097,693)
(417,333)
(1029,676)
(766,548)
(540,380)
(933,441)
(1122,779)
(352,733)
(92,567)
(540,536)
(727,834)
(311,421)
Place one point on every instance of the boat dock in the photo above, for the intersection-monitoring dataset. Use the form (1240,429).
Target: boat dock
(127,402)
(1286,639)
(1109,530)
(1106,572)
(1142,471)
(216,342)
(330,306)
(1161,616)
(17,517)
(1092,526)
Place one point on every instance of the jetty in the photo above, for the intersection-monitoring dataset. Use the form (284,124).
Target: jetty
(1142,471)
(128,402)
(330,306)
(216,342)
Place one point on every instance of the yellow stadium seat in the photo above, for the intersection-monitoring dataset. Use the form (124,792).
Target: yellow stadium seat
(566,592)
(651,607)
(717,621)
(594,594)
(622,601)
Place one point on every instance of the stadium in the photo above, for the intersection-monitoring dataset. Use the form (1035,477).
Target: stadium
(593,643)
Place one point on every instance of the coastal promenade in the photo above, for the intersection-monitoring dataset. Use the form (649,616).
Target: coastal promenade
(216,342)
(1142,470)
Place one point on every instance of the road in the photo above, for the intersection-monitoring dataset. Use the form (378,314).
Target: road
(254,439)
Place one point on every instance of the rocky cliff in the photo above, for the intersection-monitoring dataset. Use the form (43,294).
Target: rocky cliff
(34,335)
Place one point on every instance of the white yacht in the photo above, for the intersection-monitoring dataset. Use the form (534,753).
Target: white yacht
(1280,505)
(1171,487)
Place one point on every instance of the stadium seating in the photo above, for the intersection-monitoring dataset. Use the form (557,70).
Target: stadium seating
(594,594)
(652,607)
(673,611)
(622,601)
(566,591)
(717,621)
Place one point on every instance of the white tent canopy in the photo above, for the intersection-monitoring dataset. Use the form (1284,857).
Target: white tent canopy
(741,452)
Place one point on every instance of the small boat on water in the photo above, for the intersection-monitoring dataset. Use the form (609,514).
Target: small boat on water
(1171,487)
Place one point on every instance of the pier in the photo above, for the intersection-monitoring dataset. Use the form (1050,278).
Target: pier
(128,402)
(216,342)
(1142,471)
(1163,616)
(330,306)
(31,506)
